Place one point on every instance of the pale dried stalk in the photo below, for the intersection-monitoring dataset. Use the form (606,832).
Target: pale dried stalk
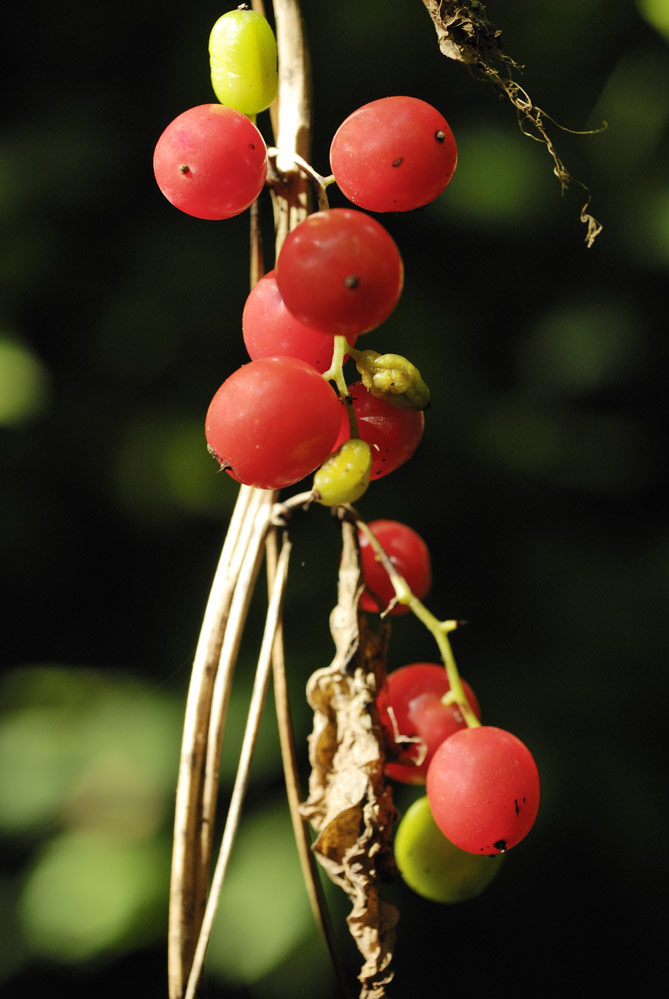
(293,120)
(253,529)
(248,745)
(308,864)
(189,869)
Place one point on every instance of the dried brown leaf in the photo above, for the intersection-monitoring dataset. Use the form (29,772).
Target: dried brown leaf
(349,804)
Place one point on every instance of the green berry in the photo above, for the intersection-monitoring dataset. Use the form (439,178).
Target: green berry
(344,476)
(242,54)
(432,866)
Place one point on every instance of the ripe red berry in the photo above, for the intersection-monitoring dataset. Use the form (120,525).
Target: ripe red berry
(393,155)
(340,272)
(211,162)
(272,422)
(410,706)
(408,553)
(393,434)
(270,330)
(483,789)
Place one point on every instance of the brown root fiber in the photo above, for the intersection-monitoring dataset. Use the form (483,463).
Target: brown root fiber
(465,34)
(349,804)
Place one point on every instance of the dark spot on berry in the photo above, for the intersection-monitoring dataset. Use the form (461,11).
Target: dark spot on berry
(399,161)
(516,806)
(252,145)
(440,136)
(500,845)
(184,168)
(352,281)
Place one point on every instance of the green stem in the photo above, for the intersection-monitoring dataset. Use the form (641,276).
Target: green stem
(335,373)
(438,629)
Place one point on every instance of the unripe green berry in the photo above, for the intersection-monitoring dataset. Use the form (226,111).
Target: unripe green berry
(242,54)
(433,866)
(344,476)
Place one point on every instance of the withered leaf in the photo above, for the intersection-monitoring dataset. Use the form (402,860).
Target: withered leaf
(349,804)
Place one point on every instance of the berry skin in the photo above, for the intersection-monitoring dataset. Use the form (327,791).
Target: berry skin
(483,787)
(392,434)
(408,553)
(410,705)
(340,272)
(211,162)
(272,422)
(242,56)
(344,476)
(270,330)
(432,866)
(393,155)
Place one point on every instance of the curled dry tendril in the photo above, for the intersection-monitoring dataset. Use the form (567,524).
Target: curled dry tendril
(465,34)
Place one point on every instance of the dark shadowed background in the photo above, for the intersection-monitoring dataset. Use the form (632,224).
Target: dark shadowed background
(540,487)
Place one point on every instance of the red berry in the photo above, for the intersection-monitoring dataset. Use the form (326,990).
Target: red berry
(408,553)
(393,155)
(340,272)
(483,789)
(393,434)
(211,162)
(410,705)
(270,329)
(272,422)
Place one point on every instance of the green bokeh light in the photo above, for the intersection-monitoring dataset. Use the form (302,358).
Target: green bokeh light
(264,913)
(88,893)
(23,383)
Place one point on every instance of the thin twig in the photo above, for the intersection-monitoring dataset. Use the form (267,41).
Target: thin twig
(241,781)
(189,875)
(252,537)
(293,789)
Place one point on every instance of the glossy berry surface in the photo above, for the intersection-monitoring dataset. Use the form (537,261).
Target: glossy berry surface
(392,434)
(211,162)
(408,553)
(483,787)
(270,330)
(433,866)
(410,706)
(242,57)
(340,272)
(344,476)
(272,422)
(393,155)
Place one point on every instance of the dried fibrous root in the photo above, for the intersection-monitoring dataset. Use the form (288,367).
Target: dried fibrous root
(465,34)
(349,805)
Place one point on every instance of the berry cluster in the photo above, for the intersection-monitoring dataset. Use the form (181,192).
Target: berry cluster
(339,274)
(278,418)
(482,782)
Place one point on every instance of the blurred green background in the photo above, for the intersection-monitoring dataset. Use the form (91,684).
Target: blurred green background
(540,487)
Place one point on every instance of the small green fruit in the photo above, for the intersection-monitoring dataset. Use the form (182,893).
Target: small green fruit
(242,55)
(432,866)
